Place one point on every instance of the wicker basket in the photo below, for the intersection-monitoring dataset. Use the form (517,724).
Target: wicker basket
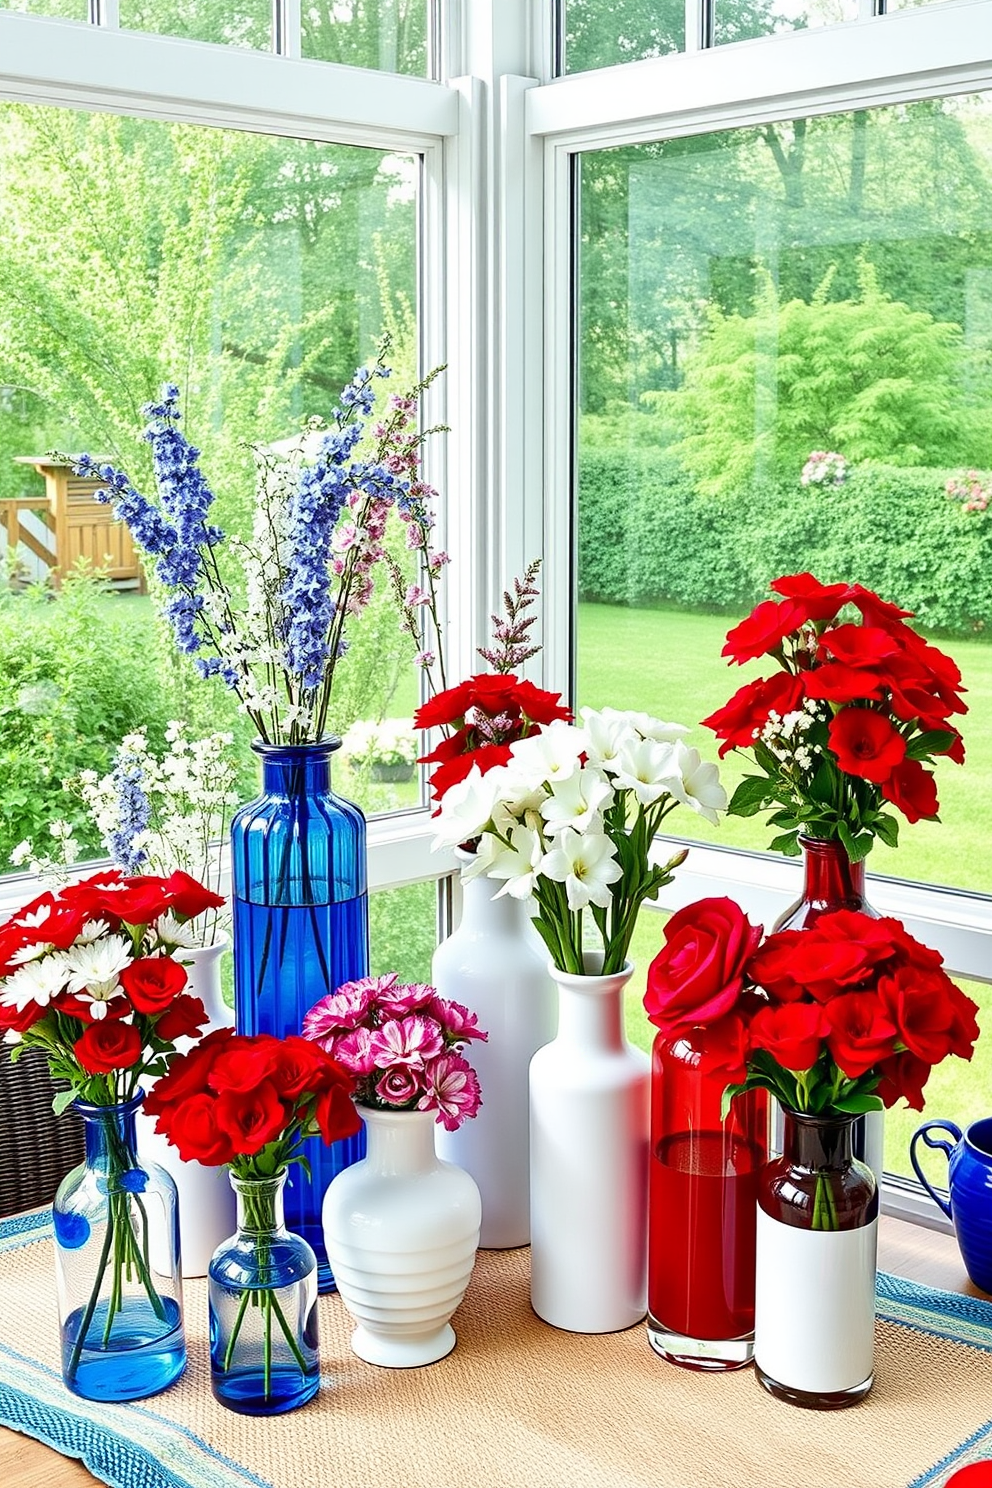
(38,1147)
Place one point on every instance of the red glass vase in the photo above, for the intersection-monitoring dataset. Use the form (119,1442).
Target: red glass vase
(830,882)
(702,1205)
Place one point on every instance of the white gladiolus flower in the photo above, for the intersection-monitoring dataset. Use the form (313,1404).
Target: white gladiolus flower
(518,863)
(605,737)
(466,807)
(585,864)
(38,981)
(550,755)
(577,801)
(654,728)
(648,769)
(697,783)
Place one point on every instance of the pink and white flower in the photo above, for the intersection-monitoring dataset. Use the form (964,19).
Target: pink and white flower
(452,1090)
(398,1087)
(401,1041)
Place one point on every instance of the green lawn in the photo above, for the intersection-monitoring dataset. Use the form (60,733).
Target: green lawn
(668,662)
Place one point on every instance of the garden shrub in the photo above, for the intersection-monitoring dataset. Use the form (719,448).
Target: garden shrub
(647,536)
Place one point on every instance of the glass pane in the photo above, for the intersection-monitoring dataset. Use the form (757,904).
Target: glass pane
(743,20)
(65,10)
(746,299)
(258,273)
(626,31)
(390,35)
(403,931)
(246,24)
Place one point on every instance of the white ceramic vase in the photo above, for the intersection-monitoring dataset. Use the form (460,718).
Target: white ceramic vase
(589,1110)
(207,1205)
(401,1230)
(495,965)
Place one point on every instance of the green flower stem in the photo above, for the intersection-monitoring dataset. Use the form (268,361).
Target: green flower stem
(260,1220)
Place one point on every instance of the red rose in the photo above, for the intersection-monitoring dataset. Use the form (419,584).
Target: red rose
(251,1118)
(335,1113)
(912,790)
(819,601)
(138,901)
(108,1045)
(866,744)
(860,1033)
(723,1048)
(189,897)
(183,1019)
(771,966)
(540,706)
(81,1007)
(698,974)
(447,707)
(19,1022)
(299,1067)
(764,630)
(738,721)
(245,1064)
(494,693)
(934,1018)
(858,645)
(903,1076)
(153,982)
(791,1032)
(836,683)
(188,1073)
(192,1128)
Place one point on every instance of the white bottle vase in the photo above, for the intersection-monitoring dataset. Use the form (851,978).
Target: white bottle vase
(207,1205)
(589,1110)
(401,1230)
(495,965)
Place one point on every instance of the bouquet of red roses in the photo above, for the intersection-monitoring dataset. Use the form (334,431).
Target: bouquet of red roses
(400,1045)
(93,975)
(859,707)
(482,717)
(845,1017)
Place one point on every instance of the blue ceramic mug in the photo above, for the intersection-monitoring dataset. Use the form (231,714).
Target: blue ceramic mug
(969,1162)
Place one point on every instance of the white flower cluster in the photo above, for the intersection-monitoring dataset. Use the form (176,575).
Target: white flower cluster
(51,868)
(787,737)
(556,809)
(391,742)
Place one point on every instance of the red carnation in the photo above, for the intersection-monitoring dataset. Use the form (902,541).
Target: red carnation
(866,744)
(903,1076)
(153,982)
(190,898)
(764,630)
(836,683)
(912,790)
(107,1046)
(193,1129)
(819,601)
(446,707)
(859,645)
(740,720)
(860,1032)
(876,611)
(188,1073)
(792,1033)
(540,706)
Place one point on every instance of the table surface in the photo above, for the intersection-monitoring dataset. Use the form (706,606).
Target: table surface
(907,1250)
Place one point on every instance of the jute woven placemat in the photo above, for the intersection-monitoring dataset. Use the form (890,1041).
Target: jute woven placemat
(517,1405)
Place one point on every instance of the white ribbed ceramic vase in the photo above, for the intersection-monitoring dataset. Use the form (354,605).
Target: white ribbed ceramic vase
(207,1205)
(401,1230)
(589,1111)
(496,966)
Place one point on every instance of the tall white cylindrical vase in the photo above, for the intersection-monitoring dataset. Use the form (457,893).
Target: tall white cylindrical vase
(401,1230)
(495,965)
(589,1107)
(207,1204)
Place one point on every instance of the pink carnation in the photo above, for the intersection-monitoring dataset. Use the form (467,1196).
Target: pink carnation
(411,1040)
(342,1010)
(455,1020)
(354,1051)
(452,1090)
(406,998)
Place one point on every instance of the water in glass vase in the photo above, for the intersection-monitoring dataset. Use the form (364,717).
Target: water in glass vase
(701,1270)
(141,1356)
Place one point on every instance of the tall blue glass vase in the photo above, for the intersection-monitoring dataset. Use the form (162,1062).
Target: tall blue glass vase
(301,928)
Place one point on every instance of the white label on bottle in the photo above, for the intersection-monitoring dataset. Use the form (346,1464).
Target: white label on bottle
(814,1322)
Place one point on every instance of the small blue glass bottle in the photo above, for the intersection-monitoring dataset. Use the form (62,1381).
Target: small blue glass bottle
(117,1265)
(264,1354)
(301,929)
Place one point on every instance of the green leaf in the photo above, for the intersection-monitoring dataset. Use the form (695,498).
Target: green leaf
(751,795)
(887,829)
(934,741)
(857,1104)
(787,843)
(62,1100)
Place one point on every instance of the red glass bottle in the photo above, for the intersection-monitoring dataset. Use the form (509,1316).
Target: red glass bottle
(830,882)
(702,1205)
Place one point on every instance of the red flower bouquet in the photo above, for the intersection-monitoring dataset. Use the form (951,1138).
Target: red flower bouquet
(844,1017)
(93,976)
(482,717)
(860,706)
(400,1045)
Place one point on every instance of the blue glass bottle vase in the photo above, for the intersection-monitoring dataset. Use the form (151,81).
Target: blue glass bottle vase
(116,1229)
(301,929)
(264,1347)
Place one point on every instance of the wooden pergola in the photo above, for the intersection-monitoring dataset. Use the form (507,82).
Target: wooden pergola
(82,527)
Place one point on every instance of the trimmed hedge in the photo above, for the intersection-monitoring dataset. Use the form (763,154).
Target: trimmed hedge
(647,537)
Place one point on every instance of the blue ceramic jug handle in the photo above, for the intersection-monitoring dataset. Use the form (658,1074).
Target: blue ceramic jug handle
(945,1147)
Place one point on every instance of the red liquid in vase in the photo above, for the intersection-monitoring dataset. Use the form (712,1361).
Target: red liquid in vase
(703,1207)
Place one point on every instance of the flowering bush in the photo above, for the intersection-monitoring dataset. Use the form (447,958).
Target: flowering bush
(844,1017)
(482,717)
(860,704)
(824,466)
(399,1043)
(571,818)
(93,976)
(155,814)
(971,489)
(308,570)
(391,742)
